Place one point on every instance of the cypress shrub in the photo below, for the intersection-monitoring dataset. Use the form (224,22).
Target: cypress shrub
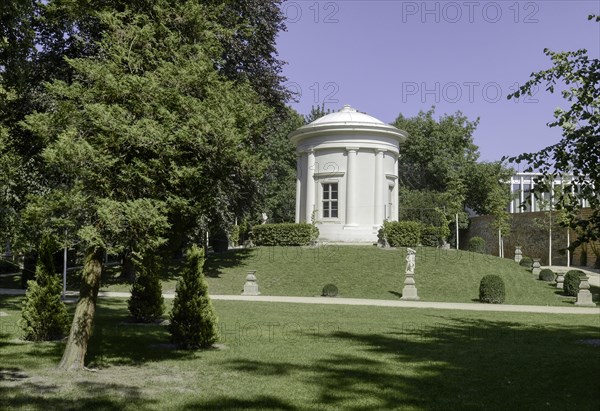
(546,275)
(526,262)
(491,289)
(402,233)
(477,245)
(147,303)
(193,320)
(44,315)
(571,284)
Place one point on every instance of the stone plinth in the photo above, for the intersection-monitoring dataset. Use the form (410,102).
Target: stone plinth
(536,267)
(251,286)
(560,280)
(518,254)
(584,296)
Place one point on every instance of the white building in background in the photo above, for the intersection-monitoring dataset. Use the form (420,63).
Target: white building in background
(522,186)
(347,175)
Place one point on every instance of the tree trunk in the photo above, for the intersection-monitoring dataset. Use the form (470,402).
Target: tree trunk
(81,329)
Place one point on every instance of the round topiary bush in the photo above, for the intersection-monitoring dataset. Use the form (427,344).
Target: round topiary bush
(477,245)
(526,262)
(571,285)
(491,289)
(330,290)
(546,275)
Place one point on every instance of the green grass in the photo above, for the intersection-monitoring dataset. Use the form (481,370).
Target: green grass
(366,272)
(313,357)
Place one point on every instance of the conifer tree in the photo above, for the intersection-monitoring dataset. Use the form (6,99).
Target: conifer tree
(44,315)
(147,303)
(193,320)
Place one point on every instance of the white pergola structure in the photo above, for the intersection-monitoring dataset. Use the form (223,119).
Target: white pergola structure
(522,186)
(347,175)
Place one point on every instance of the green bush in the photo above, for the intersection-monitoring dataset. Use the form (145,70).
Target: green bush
(491,289)
(193,319)
(546,275)
(284,234)
(526,262)
(44,316)
(477,245)
(330,290)
(434,236)
(402,233)
(571,284)
(146,303)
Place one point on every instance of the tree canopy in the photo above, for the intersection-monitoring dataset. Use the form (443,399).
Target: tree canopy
(577,154)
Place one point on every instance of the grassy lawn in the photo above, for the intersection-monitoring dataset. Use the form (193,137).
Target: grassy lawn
(365,272)
(312,357)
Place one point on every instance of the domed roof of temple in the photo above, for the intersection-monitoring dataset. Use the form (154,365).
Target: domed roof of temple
(346,120)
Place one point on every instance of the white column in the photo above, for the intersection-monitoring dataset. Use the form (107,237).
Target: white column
(298,186)
(351,186)
(521,194)
(512,200)
(533,203)
(395,192)
(310,185)
(379,180)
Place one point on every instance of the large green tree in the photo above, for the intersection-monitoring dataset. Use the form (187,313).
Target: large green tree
(433,162)
(148,131)
(577,154)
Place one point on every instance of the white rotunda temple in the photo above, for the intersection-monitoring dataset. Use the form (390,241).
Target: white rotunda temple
(347,175)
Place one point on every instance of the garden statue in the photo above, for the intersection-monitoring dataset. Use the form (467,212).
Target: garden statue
(409,292)
(584,296)
(264,218)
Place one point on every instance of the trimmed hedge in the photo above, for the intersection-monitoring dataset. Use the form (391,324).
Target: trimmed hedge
(491,289)
(477,245)
(402,233)
(432,236)
(284,234)
(546,275)
(526,262)
(571,284)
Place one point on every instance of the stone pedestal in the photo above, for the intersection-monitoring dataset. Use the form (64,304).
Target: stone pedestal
(518,254)
(536,267)
(560,280)
(251,286)
(409,292)
(584,296)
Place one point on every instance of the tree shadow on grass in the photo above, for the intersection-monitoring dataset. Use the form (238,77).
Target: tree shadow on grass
(33,395)
(458,364)
(216,262)
(262,402)
(117,341)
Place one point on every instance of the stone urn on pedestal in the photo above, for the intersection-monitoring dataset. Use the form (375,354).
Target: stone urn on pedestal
(537,267)
(518,254)
(584,296)
(251,286)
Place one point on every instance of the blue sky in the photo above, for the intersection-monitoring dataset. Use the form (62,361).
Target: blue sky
(391,57)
